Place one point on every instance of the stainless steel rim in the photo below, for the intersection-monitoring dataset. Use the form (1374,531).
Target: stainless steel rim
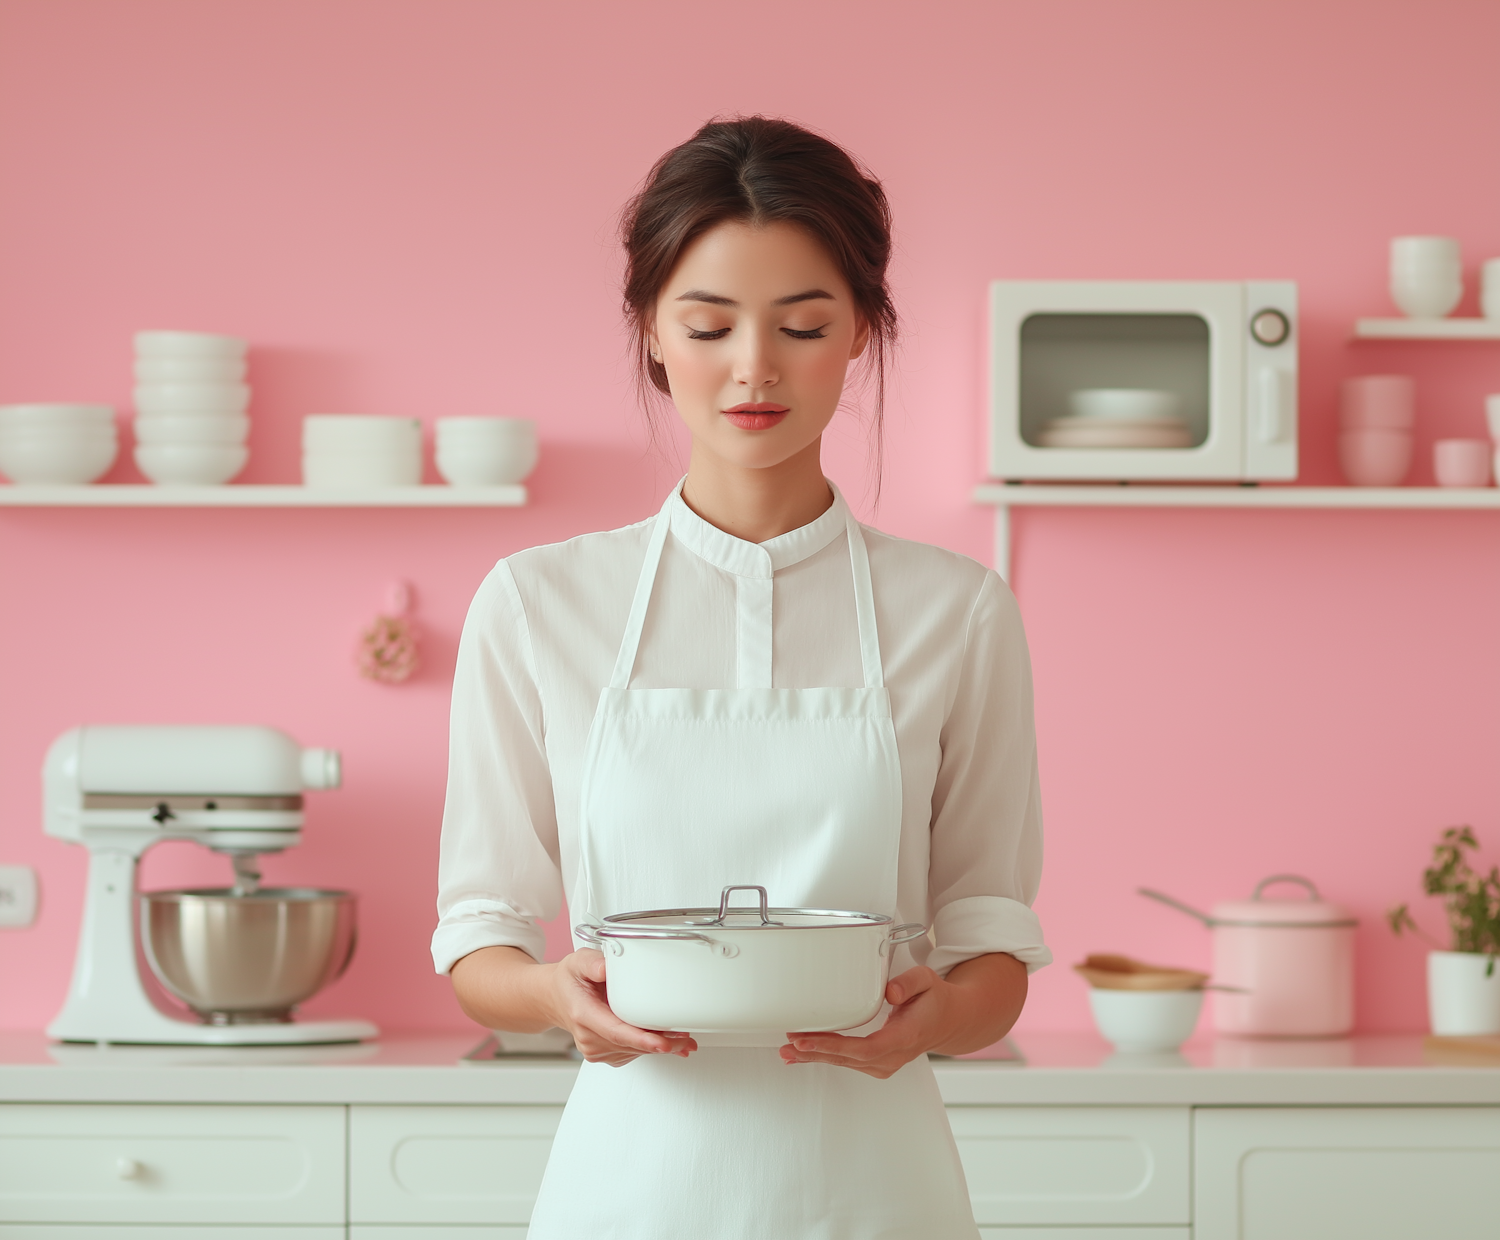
(621,921)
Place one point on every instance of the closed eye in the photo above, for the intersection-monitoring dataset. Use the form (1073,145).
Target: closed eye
(713,335)
(815,334)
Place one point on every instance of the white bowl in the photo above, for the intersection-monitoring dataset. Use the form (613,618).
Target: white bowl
(192,399)
(15,417)
(1132,403)
(190,464)
(485,451)
(189,370)
(57,461)
(187,344)
(1146,1020)
(359,432)
(230,430)
(373,469)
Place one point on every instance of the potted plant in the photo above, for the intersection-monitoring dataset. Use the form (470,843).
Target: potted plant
(1463,985)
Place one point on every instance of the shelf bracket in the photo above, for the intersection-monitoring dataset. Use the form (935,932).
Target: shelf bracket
(1002,541)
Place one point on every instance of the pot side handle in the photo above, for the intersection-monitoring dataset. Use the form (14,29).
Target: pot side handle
(902,934)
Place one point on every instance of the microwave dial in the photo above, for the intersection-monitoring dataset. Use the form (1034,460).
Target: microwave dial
(1270,327)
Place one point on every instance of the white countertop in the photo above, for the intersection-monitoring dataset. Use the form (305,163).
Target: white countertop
(1067,1069)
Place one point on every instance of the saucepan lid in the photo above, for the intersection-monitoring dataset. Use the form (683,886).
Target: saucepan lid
(1314,911)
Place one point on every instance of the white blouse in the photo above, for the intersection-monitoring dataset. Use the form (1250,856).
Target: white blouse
(539,645)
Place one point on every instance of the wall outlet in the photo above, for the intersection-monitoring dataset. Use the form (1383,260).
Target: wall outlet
(17,895)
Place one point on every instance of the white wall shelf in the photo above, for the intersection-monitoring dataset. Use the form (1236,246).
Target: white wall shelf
(1004,497)
(144,496)
(1427,329)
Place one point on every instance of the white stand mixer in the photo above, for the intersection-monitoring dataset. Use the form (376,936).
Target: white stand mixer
(119,790)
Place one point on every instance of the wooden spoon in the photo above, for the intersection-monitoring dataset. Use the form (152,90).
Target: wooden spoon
(1109,972)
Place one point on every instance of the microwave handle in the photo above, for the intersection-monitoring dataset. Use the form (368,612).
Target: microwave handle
(1271,405)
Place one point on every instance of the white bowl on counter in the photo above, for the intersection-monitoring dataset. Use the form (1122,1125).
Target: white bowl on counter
(186,429)
(177,344)
(1142,1021)
(217,400)
(1132,404)
(485,451)
(190,464)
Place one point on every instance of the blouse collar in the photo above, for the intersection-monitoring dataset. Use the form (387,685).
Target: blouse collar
(748,559)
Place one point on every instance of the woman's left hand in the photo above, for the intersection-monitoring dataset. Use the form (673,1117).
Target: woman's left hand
(974,1006)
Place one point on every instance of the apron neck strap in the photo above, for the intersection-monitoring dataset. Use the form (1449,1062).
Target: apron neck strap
(864,607)
(864,604)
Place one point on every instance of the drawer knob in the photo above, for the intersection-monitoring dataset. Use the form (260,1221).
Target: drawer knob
(128,1169)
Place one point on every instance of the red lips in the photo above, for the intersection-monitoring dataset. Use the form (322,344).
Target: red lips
(756,415)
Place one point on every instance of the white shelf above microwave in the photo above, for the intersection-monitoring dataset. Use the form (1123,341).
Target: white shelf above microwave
(1003,498)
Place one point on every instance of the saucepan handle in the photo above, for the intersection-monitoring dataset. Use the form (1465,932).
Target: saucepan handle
(904,933)
(607,938)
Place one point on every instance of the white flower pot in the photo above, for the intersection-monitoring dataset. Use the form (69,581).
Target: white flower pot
(1461,1000)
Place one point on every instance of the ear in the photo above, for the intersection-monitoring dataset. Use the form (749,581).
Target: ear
(861,339)
(653,345)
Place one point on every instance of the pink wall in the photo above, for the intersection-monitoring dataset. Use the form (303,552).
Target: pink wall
(408,208)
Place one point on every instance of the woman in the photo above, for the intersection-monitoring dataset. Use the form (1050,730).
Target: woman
(750,687)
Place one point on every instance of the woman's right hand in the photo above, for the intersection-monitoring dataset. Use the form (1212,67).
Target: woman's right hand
(579,1005)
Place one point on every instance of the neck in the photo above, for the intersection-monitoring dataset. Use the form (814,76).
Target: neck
(758,504)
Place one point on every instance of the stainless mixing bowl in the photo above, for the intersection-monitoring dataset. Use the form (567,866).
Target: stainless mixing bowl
(250,958)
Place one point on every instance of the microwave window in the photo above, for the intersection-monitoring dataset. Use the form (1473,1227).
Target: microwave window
(1114,380)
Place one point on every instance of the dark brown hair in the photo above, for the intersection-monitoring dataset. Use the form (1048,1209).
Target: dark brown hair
(759,170)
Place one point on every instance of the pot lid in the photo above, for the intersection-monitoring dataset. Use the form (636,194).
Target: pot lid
(1260,910)
(773,919)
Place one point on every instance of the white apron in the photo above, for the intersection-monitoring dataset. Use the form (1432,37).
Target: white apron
(799,791)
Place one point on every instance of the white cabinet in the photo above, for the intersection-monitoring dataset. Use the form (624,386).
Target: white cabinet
(171,1164)
(1347,1173)
(431,1165)
(1085,1233)
(1059,1166)
(447,1232)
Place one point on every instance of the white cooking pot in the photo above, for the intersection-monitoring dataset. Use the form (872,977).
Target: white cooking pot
(746,971)
(1283,968)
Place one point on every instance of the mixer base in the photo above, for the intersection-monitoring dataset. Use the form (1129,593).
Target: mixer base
(180,1033)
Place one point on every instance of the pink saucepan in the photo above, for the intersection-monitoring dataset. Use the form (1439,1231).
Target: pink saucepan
(1283,968)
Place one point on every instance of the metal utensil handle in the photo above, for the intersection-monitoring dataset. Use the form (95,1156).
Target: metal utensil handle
(765,912)
(1163,898)
(1286,878)
(602,937)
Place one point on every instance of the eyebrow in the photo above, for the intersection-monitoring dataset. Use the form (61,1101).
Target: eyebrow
(713,299)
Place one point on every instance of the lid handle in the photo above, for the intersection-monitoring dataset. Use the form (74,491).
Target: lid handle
(1305,883)
(1162,898)
(725,910)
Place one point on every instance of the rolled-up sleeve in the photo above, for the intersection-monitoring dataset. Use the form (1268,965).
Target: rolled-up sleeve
(986,858)
(496,876)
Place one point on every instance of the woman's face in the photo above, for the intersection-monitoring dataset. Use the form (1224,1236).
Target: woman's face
(756,329)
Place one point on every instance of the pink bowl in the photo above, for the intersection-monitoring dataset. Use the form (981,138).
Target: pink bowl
(1375,458)
(1385,402)
(1462,462)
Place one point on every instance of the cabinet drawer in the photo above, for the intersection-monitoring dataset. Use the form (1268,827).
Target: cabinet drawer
(449,1232)
(1346,1173)
(1075,1165)
(447,1164)
(104,1231)
(1085,1233)
(171,1164)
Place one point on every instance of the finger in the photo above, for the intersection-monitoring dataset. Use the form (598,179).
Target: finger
(907,986)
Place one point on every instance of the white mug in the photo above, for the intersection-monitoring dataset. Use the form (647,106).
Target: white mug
(1426,276)
(1492,415)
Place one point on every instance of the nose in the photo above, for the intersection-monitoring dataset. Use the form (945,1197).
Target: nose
(754,365)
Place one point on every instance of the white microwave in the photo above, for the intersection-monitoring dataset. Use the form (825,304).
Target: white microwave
(1143,379)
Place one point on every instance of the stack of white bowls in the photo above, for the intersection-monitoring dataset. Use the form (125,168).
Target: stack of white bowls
(480,452)
(57,445)
(190,401)
(361,450)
